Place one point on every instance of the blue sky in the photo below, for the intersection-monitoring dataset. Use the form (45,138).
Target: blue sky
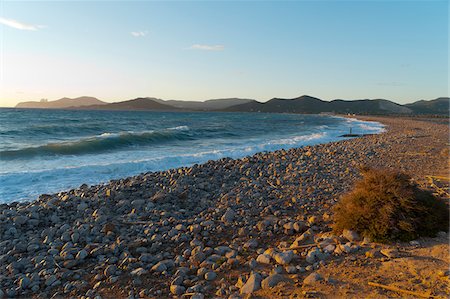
(197,50)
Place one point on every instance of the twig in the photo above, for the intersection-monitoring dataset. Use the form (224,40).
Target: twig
(395,289)
(299,247)
(273,186)
(137,222)
(56,264)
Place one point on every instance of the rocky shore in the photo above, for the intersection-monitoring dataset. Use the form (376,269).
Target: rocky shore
(257,226)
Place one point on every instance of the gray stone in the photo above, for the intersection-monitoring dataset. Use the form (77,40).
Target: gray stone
(110,270)
(159,267)
(20,220)
(138,272)
(197,296)
(263,258)
(81,255)
(291,269)
(284,258)
(210,276)
(252,243)
(50,280)
(252,263)
(177,280)
(312,278)
(253,284)
(350,235)
(228,216)
(24,282)
(329,248)
(273,280)
(314,255)
(177,290)
(390,253)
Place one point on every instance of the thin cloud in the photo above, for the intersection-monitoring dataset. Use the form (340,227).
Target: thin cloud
(207,47)
(139,33)
(19,25)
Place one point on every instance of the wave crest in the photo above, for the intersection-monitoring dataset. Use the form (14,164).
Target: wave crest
(101,143)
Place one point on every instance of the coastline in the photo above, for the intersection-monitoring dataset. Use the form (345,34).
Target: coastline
(96,158)
(121,237)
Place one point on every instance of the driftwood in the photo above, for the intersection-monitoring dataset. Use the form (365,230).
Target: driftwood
(395,289)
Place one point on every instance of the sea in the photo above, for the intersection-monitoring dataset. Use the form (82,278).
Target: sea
(48,151)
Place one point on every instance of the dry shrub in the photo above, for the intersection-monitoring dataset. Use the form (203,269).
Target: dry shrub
(386,206)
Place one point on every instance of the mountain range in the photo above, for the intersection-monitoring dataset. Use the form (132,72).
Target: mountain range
(302,104)
(61,103)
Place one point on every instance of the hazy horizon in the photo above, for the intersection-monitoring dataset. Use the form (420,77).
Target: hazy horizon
(203,100)
(195,51)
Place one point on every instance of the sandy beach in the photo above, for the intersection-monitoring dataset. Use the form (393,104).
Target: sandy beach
(257,226)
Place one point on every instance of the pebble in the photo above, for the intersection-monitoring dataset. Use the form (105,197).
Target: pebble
(177,290)
(390,253)
(228,216)
(263,258)
(210,276)
(312,279)
(273,280)
(284,258)
(252,285)
(350,235)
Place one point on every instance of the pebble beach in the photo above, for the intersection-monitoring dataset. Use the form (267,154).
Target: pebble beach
(258,226)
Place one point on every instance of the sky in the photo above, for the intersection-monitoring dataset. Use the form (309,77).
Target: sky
(198,50)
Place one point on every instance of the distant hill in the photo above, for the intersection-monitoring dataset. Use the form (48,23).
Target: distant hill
(135,104)
(308,104)
(62,103)
(437,106)
(208,105)
(303,104)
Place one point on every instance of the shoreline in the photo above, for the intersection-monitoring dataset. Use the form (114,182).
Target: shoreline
(323,137)
(198,229)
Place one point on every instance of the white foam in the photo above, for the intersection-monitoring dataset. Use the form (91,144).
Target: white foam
(56,174)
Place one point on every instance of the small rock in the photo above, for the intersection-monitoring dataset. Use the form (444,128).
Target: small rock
(284,258)
(49,281)
(110,270)
(329,248)
(350,235)
(263,258)
(81,255)
(24,282)
(138,272)
(273,280)
(390,253)
(176,289)
(210,276)
(228,216)
(252,243)
(414,243)
(253,284)
(291,269)
(159,267)
(252,264)
(312,278)
(197,296)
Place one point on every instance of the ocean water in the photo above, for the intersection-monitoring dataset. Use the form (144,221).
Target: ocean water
(47,151)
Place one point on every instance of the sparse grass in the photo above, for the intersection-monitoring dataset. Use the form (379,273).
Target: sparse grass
(386,206)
